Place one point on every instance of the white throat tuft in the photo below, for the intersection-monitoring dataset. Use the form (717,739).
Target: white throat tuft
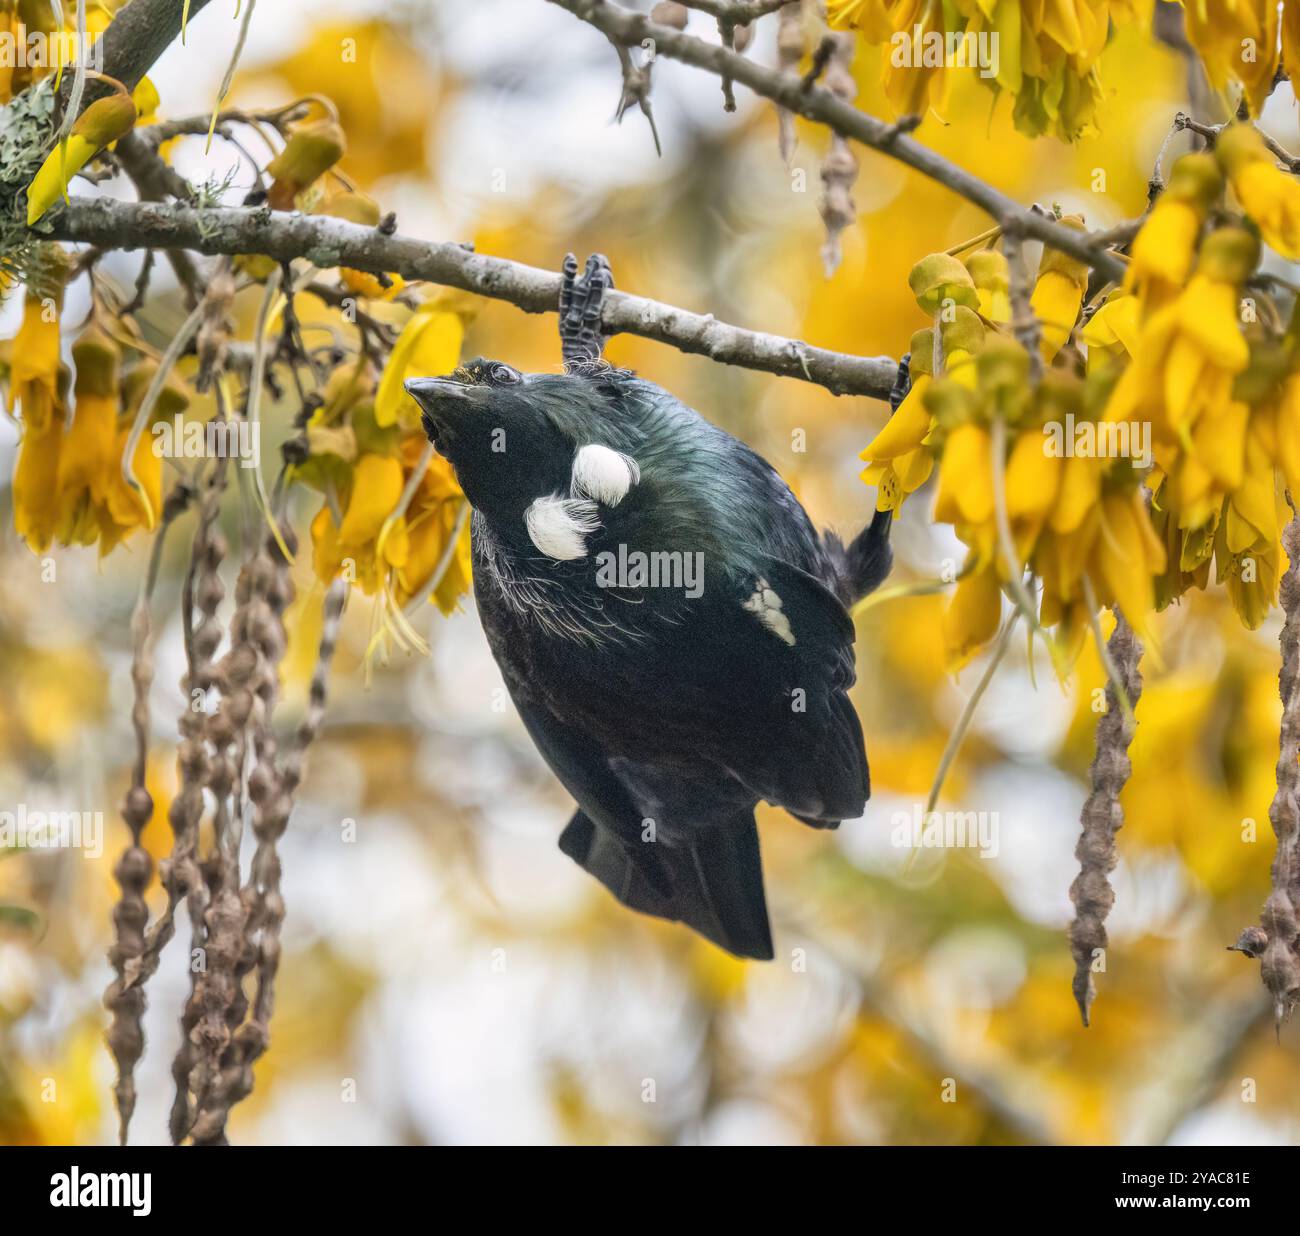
(559,526)
(602,473)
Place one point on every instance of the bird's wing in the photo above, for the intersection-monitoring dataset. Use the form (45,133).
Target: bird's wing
(767,676)
(709,877)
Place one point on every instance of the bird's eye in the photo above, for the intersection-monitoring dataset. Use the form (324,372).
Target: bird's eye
(503,375)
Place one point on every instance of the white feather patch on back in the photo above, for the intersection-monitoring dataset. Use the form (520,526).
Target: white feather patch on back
(770,610)
(602,473)
(559,526)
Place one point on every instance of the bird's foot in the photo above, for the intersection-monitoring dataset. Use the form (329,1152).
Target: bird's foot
(581,301)
(902,383)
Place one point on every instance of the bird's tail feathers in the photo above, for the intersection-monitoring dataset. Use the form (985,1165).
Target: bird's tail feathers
(712,883)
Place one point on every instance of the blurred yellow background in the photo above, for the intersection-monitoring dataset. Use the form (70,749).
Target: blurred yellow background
(448,975)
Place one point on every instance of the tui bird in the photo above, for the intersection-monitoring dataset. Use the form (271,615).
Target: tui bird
(671,627)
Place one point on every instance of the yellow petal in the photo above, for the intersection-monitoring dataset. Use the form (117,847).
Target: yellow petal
(124,503)
(34,371)
(428,346)
(1116,322)
(87,459)
(914,469)
(56,173)
(905,429)
(1163,250)
(1056,301)
(1033,478)
(1288,433)
(971,620)
(966,477)
(35,487)
(376,489)
(1080,484)
(1208,314)
(1122,558)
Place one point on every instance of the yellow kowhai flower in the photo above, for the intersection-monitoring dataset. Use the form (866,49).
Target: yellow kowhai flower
(1046,53)
(1036,467)
(992,279)
(351,546)
(1250,517)
(898,462)
(88,461)
(1111,334)
(1047,59)
(126,507)
(393,536)
(1078,494)
(36,483)
(431,520)
(1188,551)
(1251,580)
(1291,43)
(102,123)
(147,101)
(429,346)
(940,282)
(901,458)
(1058,561)
(1268,195)
(1237,41)
(1063,102)
(1115,547)
(1213,465)
(1165,248)
(961,335)
(905,430)
(1033,479)
(1126,557)
(1058,293)
(965,495)
(312,149)
(34,361)
(871,18)
(1247,550)
(1287,433)
(915,74)
(971,617)
(1190,351)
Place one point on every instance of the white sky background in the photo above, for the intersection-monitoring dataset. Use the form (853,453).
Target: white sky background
(543,111)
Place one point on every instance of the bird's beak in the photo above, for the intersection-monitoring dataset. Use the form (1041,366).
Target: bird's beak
(444,400)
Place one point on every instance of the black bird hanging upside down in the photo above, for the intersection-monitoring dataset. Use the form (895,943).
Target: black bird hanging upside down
(671,627)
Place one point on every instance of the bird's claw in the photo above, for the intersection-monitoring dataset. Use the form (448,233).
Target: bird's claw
(902,384)
(581,301)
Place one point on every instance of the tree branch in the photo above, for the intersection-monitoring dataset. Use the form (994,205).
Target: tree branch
(330,242)
(818,104)
(737,12)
